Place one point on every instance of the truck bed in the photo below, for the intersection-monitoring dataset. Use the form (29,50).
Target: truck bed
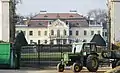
(114,54)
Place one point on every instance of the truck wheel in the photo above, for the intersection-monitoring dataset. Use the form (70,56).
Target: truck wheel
(118,63)
(113,64)
(60,67)
(92,63)
(77,67)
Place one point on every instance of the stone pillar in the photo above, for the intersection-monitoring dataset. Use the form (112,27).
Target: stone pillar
(0,19)
(4,20)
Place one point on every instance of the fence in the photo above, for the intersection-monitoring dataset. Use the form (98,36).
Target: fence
(42,56)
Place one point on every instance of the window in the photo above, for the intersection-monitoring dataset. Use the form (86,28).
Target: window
(105,33)
(102,33)
(77,23)
(50,22)
(64,41)
(85,32)
(70,41)
(31,41)
(52,32)
(58,33)
(45,33)
(39,33)
(17,31)
(51,42)
(86,48)
(92,32)
(77,33)
(45,16)
(66,22)
(38,41)
(58,41)
(24,32)
(98,32)
(77,41)
(30,33)
(40,23)
(64,32)
(84,40)
(45,41)
(70,32)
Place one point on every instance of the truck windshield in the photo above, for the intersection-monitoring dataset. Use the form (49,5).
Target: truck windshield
(86,48)
(89,47)
(93,48)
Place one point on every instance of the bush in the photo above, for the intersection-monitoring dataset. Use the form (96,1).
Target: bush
(1,41)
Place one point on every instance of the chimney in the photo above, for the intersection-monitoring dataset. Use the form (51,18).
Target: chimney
(43,11)
(73,11)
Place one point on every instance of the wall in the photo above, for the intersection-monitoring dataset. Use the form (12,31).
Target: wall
(81,35)
(35,37)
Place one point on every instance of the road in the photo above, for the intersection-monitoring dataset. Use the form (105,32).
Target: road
(102,70)
(44,71)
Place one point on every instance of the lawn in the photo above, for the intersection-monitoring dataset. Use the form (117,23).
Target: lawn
(41,55)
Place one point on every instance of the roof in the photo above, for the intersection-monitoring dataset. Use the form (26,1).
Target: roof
(57,15)
(97,38)
(42,20)
(38,23)
(78,23)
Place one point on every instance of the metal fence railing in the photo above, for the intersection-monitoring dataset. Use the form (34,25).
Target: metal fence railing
(41,56)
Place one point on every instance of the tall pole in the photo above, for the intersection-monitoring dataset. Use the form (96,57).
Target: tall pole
(12,20)
(109,26)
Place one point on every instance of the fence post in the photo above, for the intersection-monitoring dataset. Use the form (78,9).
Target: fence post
(38,48)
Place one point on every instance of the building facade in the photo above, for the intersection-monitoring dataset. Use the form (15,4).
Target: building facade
(4,20)
(59,28)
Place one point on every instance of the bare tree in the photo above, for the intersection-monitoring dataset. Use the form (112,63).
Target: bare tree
(98,14)
(13,18)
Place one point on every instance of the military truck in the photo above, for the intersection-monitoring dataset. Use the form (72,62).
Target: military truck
(113,56)
(83,54)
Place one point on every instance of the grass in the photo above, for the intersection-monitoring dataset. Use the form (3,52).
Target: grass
(44,55)
(41,55)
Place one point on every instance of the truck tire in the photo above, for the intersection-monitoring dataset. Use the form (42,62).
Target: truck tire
(113,64)
(60,67)
(92,63)
(77,67)
(118,63)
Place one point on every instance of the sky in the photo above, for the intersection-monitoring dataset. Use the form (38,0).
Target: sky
(27,7)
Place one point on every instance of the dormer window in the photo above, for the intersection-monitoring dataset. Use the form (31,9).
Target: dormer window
(66,22)
(58,16)
(45,16)
(50,22)
(77,23)
(40,23)
(71,16)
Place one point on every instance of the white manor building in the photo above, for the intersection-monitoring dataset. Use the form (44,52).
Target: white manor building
(56,28)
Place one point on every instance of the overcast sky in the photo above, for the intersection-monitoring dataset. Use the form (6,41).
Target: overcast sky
(82,6)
